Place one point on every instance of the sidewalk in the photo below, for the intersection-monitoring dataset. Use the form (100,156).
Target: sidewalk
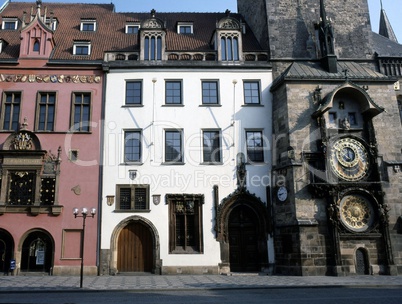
(186,282)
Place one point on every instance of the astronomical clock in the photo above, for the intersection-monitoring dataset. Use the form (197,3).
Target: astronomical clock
(349,159)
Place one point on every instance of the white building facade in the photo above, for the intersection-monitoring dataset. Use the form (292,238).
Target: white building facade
(187,160)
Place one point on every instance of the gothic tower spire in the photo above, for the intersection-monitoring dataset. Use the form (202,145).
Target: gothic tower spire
(385,26)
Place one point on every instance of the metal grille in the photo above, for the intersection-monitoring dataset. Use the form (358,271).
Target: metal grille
(125,198)
(47,191)
(361,263)
(140,198)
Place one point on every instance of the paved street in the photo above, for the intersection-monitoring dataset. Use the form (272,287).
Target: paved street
(187,282)
(337,295)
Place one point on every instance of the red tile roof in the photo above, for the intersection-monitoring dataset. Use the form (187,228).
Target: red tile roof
(110,33)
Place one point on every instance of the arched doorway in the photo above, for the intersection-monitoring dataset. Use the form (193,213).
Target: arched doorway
(6,250)
(243,240)
(362,264)
(135,248)
(37,252)
(243,225)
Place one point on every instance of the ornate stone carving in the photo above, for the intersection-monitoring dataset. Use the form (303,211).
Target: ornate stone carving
(22,141)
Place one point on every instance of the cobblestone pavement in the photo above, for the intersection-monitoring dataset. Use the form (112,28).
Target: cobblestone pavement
(175,282)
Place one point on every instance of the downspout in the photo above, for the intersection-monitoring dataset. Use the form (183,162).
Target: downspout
(105,69)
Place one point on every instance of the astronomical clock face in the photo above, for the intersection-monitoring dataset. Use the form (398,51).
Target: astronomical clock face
(356,213)
(349,159)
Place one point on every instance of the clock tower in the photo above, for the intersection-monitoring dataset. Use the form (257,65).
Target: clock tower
(335,191)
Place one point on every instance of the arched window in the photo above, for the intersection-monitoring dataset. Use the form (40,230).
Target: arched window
(230,48)
(153,48)
(36,46)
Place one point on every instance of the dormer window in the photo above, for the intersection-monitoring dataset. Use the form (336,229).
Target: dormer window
(228,39)
(51,23)
(10,24)
(185,28)
(132,28)
(82,48)
(230,48)
(88,25)
(153,48)
(153,33)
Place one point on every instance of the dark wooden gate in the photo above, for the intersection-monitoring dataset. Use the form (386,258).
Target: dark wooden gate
(243,236)
(135,249)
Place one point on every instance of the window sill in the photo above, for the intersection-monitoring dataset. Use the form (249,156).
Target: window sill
(181,251)
(173,163)
(217,105)
(258,105)
(211,163)
(132,105)
(132,164)
(173,105)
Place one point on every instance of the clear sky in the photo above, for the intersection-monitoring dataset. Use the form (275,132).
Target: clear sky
(393,8)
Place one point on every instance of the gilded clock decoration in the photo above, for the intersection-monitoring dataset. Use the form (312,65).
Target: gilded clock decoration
(356,213)
(349,159)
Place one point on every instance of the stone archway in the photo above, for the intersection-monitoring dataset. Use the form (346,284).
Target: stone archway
(36,251)
(243,225)
(132,229)
(6,250)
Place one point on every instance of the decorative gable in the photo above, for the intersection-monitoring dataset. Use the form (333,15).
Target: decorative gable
(36,38)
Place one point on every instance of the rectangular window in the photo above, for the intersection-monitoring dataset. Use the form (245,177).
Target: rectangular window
(251,92)
(81,112)
(132,197)
(185,29)
(255,147)
(210,92)
(132,29)
(173,147)
(133,92)
(173,94)
(46,111)
(88,25)
(21,188)
(10,24)
(211,146)
(82,48)
(132,146)
(11,111)
(400,108)
(185,223)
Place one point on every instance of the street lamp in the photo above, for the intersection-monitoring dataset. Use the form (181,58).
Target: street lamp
(84,214)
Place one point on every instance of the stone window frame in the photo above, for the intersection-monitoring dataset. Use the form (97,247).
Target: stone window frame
(133,189)
(198,201)
(46,105)
(13,124)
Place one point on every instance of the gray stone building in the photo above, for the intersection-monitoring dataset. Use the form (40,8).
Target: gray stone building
(337,145)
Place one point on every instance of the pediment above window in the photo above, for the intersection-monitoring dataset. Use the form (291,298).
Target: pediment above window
(153,22)
(229,23)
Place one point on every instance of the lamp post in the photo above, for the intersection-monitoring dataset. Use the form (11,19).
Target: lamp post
(84,214)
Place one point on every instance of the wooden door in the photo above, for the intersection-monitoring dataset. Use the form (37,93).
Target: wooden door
(243,236)
(135,249)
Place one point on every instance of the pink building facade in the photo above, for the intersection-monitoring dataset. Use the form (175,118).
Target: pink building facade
(51,107)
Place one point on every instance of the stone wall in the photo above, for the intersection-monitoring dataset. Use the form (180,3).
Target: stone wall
(291,26)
